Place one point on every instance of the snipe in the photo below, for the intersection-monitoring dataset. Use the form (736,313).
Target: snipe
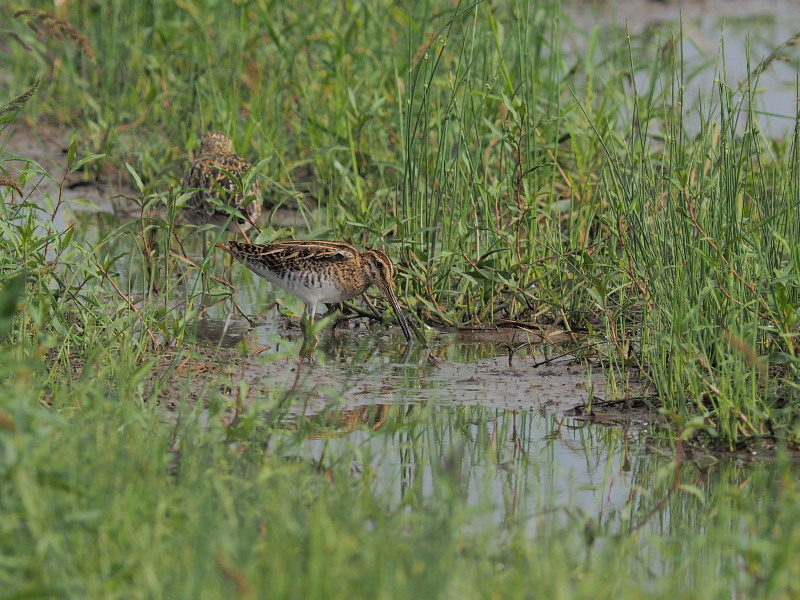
(209,176)
(317,271)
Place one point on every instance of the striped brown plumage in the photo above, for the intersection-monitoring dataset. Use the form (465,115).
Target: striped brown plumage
(320,271)
(208,176)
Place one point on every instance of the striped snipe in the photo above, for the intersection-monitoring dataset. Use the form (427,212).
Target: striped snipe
(317,271)
(208,176)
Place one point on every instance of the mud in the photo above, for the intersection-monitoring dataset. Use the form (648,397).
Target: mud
(355,369)
(41,152)
(37,157)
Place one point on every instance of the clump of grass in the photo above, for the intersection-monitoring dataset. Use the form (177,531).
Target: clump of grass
(513,183)
(705,224)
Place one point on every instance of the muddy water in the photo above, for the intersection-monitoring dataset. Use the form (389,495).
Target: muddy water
(354,368)
(506,457)
(458,408)
(460,412)
(491,410)
(484,410)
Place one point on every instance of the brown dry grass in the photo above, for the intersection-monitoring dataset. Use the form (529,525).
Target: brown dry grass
(46,25)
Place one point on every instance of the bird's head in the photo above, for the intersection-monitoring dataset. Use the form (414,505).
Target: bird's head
(381,268)
(381,273)
(215,142)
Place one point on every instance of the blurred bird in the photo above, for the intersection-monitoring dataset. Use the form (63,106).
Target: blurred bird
(209,176)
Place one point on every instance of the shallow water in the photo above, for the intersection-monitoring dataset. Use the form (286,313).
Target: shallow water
(516,460)
(454,415)
(454,410)
(462,411)
(491,412)
(746,33)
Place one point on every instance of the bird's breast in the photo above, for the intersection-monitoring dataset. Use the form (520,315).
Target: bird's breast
(312,284)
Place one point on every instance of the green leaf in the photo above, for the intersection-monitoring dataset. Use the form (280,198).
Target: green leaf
(67,238)
(9,297)
(84,202)
(136,178)
(781,358)
(86,159)
(73,149)
(694,490)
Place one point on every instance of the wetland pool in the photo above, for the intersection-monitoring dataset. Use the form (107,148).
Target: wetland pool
(456,413)
(461,410)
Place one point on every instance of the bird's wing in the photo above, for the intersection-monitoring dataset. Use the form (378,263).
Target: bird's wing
(319,251)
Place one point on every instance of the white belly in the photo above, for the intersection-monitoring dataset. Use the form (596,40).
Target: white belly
(311,288)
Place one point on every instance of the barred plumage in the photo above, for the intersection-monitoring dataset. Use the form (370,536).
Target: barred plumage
(319,271)
(208,174)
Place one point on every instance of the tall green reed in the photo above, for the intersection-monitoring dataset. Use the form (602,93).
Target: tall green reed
(703,220)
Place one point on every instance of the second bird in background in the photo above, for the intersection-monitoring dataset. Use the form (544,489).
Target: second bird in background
(209,176)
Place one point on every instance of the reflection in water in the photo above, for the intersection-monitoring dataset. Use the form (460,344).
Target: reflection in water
(744,35)
(224,333)
(541,472)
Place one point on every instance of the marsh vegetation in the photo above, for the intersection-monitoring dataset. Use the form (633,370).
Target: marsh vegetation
(522,171)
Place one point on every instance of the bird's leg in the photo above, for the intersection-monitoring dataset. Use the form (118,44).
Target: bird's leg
(307,325)
(304,322)
(241,311)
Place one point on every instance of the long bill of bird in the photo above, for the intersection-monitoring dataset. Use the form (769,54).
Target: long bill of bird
(384,278)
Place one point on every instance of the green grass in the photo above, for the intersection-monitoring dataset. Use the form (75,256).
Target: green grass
(510,180)
(104,499)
